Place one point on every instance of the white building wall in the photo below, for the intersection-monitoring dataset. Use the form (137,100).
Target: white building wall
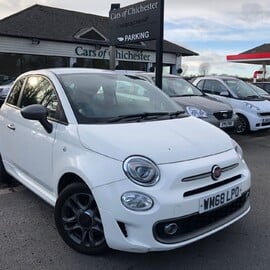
(51,48)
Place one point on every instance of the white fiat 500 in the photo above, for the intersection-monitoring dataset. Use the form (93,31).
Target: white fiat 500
(122,164)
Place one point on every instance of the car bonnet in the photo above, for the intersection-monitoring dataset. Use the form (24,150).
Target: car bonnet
(203,102)
(263,105)
(163,141)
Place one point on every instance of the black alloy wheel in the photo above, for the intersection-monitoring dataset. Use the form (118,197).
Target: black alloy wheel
(78,220)
(242,125)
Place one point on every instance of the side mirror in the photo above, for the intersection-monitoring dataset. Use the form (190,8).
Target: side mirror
(39,113)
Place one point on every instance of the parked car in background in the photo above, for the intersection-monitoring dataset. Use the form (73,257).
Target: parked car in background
(4,89)
(264,85)
(5,79)
(193,100)
(253,110)
(121,163)
(260,91)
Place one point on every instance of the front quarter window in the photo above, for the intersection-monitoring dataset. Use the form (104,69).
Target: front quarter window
(15,92)
(39,90)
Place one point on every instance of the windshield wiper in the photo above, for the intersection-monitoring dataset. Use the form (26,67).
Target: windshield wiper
(184,95)
(253,96)
(176,114)
(144,116)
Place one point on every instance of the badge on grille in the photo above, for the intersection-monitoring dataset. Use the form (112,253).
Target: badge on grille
(216,172)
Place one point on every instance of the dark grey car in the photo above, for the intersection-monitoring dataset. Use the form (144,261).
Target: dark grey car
(194,101)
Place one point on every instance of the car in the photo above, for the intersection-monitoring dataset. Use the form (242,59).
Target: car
(118,160)
(5,79)
(4,89)
(253,110)
(264,85)
(193,100)
(260,91)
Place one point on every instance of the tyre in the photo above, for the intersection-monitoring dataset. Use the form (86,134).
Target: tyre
(242,125)
(4,177)
(78,220)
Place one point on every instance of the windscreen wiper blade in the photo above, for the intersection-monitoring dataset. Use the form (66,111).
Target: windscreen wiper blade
(253,96)
(176,114)
(144,116)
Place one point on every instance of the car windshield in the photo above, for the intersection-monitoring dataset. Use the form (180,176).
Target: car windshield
(241,89)
(177,87)
(111,98)
(259,90)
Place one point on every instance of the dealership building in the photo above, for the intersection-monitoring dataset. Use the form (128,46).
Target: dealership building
(43,37)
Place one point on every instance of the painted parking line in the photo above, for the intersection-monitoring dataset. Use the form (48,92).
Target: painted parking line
(7,190)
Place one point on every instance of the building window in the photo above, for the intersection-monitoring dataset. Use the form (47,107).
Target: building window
(92,63)
(124,65)
(12,64)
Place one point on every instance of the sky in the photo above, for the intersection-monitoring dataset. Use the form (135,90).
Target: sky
(211,28)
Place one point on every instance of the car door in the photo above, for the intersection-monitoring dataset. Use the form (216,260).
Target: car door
(30,145)
(8,110)
(215,89)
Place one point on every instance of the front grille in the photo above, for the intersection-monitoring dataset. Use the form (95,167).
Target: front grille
(197,224)
(265,124)
(223,115)
(208,174)
(212,186)
(265,114)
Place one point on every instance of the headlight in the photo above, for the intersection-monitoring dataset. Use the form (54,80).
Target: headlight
(251,106)
(141,170)
(237,148)
(136,201)
(199,113)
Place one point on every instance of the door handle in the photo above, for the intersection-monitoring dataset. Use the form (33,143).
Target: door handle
(11,126)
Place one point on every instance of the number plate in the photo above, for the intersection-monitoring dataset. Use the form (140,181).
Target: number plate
(216,200)
(228,123)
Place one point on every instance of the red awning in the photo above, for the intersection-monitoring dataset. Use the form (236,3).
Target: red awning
(260,58)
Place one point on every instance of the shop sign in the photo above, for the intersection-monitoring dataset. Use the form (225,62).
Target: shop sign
(104,53)
(135,23)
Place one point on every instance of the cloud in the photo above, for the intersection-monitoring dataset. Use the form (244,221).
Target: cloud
(217,65)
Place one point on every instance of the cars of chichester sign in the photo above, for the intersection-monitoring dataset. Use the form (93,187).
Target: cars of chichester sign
(135,23)
(120,54)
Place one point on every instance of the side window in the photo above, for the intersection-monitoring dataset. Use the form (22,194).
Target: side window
(39,90)
(200,84)
(214,87)
(15,92)
(267,87)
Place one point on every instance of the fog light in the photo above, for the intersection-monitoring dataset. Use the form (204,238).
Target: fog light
(137,201)
(171,228)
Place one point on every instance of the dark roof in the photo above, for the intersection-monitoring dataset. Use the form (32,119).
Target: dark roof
(47,23)
(262,48)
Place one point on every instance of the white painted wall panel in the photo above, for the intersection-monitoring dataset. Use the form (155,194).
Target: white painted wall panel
(51,48)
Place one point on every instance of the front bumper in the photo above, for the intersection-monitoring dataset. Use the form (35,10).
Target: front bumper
(222,123)
(259,121)
(175,201)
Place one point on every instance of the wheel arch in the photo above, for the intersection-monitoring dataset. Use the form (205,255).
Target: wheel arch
(67,179)
(239,114)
